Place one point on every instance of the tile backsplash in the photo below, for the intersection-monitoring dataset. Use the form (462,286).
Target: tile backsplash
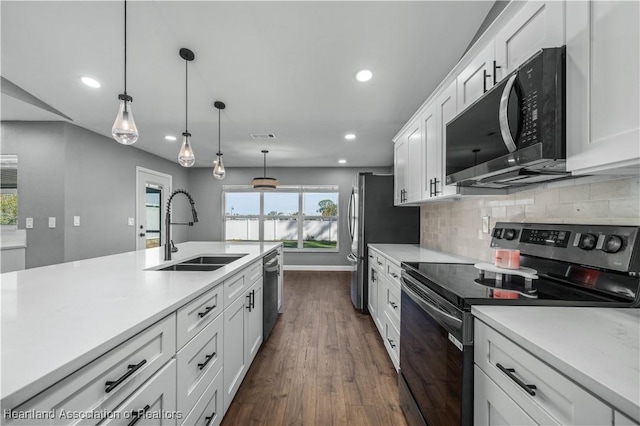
(456,226)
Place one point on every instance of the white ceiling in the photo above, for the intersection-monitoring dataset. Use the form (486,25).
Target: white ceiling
(281,67)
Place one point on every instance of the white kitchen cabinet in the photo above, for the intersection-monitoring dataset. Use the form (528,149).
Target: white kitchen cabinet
(447,108)
(476,78)
(400,158)
(620,419)
(603,106)
(209,409)
(280,281)
(372,303)
(543,393)
(493,407)
(537,25)
(408,165)
(197,314)
(254,320)
(154,403)
(431,157)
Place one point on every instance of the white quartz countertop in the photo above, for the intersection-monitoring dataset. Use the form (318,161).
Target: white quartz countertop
(415,253)
(56,319)
(598,348)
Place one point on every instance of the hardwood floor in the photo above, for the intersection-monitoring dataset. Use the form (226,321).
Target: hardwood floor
(324,363)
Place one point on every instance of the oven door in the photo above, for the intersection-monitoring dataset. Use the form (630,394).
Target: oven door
(436,368)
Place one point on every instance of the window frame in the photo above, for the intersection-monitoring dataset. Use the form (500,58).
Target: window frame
(300,217)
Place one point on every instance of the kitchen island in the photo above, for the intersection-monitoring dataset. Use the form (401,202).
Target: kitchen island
(57,319)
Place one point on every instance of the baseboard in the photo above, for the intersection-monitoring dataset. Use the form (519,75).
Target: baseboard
(318,268)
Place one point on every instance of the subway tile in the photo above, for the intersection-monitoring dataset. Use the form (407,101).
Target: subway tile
(620,188)
(547,196)
(626,207)
(499,212)
(591,209)
(559,210)
(515,213)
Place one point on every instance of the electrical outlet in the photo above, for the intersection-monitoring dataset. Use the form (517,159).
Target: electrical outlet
(131,222)
(485,224)
(52,222)
(76,221)
(29,223)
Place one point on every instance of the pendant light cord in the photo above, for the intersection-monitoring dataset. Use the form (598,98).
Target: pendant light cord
(125,47)
(186,95)
(218,130)
(265,164)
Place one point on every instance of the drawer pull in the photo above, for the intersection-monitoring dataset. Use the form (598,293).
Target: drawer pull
(379,263)
(209,419)
(137,415)
(394,275)
(393,345)
(207,359)
(530,389)
(206,311)
(393,305)
(111,385)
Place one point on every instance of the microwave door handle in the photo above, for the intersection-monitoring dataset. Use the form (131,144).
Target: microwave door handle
(503,114)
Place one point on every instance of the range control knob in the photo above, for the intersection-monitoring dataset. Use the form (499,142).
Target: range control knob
(587,241)
(509,234)
(497,233)
(612,244)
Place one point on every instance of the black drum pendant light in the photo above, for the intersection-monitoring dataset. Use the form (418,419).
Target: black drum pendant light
(186,157)
(264,182)
(124,128)
(218,167)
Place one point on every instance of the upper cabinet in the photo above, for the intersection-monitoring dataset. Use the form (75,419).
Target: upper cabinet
(477,77)
(408,165)
(603,106)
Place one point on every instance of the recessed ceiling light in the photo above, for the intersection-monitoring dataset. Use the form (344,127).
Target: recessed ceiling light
(90,82)
(364,75)
(342,161)
(350,136)
(170,138)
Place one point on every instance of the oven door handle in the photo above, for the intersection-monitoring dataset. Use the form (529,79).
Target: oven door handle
(431,309)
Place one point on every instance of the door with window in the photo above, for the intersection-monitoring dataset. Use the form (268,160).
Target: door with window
(152,191)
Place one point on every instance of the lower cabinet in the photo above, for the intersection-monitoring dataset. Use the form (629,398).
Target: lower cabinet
(209,409)
(512,384)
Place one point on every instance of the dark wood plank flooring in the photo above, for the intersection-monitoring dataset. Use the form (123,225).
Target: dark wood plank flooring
(324,363)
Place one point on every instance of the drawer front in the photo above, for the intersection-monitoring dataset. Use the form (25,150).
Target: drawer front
(392,303)
(379,262)
(209,409)
(391,338)
(195,315)
(239,283)
(154,402)
(198,363)
(393,273)
(86,390)
(555,394)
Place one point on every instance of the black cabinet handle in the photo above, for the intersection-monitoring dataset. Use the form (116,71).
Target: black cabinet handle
(530,389)
(137,415)
(206,311)
(249,302)
(394,275)
(111,385)
(209,419)
(484,82)
(207,359)
(495,72)
(393,305)
(391,343)
(435,187)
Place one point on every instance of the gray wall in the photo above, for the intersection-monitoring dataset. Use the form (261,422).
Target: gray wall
(207,192)
(66,171)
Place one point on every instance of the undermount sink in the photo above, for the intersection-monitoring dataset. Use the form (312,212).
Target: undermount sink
(202,263)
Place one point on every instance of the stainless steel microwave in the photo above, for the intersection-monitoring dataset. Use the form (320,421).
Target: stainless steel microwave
(514,134)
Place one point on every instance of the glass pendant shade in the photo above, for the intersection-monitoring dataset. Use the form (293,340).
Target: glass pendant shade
(124,129)
(218,168)
(186,157)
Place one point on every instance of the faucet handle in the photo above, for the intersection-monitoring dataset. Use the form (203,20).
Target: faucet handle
(173,247)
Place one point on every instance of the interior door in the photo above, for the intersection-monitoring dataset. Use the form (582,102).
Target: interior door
(152,191)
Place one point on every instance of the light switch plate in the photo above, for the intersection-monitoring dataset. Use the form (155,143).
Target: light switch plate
(76,221)
(29,223)
(131,222)
(52,222)
(485,224)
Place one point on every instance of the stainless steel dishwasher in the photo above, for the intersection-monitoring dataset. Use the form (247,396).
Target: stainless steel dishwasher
(270,299)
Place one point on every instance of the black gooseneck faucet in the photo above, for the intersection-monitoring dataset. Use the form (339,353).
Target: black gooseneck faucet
(168,244)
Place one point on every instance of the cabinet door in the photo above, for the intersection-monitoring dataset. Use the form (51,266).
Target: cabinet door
(374,277)
(447,109)
(234,349)
(400,170)
(430,161)
(603,106)
(413,178)
(280,280)
(476,78)
(493,407)
(254,321)
(620,419)
(536,25)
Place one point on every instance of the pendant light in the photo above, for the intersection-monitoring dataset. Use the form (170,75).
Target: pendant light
(264,182)
(218,167)
(186,157)
(124,128)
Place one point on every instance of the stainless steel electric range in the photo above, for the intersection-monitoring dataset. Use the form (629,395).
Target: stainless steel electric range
(576,265)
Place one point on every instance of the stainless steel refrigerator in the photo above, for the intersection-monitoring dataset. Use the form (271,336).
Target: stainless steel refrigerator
(374,219)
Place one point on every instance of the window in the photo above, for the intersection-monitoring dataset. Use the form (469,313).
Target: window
(301,217)
(9,191)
